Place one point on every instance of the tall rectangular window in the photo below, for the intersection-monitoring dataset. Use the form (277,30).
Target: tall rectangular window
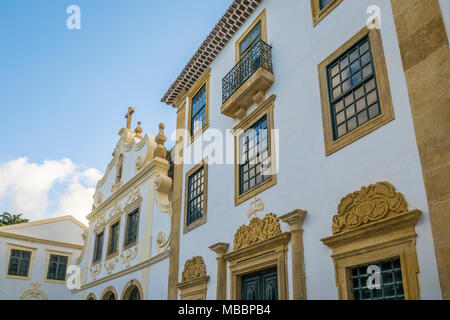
(57,267)
(195,196)
(249,39)
(98,247)
(19,263)
(353,90)
(132,228)
(198,115)
(254,156)
(391,283)
(254,147)
(113,238)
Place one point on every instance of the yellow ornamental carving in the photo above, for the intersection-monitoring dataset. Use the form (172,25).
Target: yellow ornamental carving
(258,230)
(375,202)
(193,269)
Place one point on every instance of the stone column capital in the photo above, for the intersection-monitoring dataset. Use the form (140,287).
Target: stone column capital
(294,219)
(220,248)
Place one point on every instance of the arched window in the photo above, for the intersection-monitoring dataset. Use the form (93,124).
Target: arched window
(109,294)
(132,291)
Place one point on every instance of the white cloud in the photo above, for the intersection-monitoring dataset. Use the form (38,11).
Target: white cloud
(50,189)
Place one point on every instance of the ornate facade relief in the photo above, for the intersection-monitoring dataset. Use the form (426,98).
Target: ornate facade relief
(111,264)
(139,164)
(258,230)
(95,270)
(134,196)
(162,244)
(128,255)
(372,203)
(256,205)
(101,222)
(116,211)
(34,294)
(193,269)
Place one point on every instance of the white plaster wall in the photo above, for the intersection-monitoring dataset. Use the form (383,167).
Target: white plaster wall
(63,231)
(307,179)
(12,289)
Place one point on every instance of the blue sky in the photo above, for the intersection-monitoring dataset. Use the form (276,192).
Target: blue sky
(64,93)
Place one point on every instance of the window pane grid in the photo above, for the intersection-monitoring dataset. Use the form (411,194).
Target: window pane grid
(19,263)
(254,156)
(198,116)
(114,236)
(57,267)
(132,227)
(391,282)
(323,3)
(354,97)
(195,196)
(98,246)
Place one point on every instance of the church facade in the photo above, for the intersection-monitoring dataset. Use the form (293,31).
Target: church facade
(126,249)
(313,154)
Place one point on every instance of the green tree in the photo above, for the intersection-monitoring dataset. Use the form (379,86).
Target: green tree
(7,219)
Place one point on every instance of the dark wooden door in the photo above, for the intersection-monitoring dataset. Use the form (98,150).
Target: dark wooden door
(262,285)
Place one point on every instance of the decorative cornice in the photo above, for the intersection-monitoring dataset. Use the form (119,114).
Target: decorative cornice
(258,230)
(146,263)
(383,227)
(193,269)
(373,203)
(39,240)
(137,179)
(224,30)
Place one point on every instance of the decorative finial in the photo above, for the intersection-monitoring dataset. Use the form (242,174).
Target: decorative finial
(138,130)
(128,117)
(160,139)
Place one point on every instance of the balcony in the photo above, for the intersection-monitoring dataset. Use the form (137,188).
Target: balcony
(248,81)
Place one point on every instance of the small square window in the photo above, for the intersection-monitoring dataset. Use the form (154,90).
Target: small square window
(57,266)
(19,263)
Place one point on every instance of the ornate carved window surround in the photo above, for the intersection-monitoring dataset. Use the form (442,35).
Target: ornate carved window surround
(374,224)
(384,92)
(319,14)
(259,246)
(194,280)
(203,80)
(265,109)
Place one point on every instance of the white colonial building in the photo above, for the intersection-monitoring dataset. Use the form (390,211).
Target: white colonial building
(339,162)
(126,253)
(34,258)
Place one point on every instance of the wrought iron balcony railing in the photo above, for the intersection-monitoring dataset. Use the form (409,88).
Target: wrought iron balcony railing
(258,56)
